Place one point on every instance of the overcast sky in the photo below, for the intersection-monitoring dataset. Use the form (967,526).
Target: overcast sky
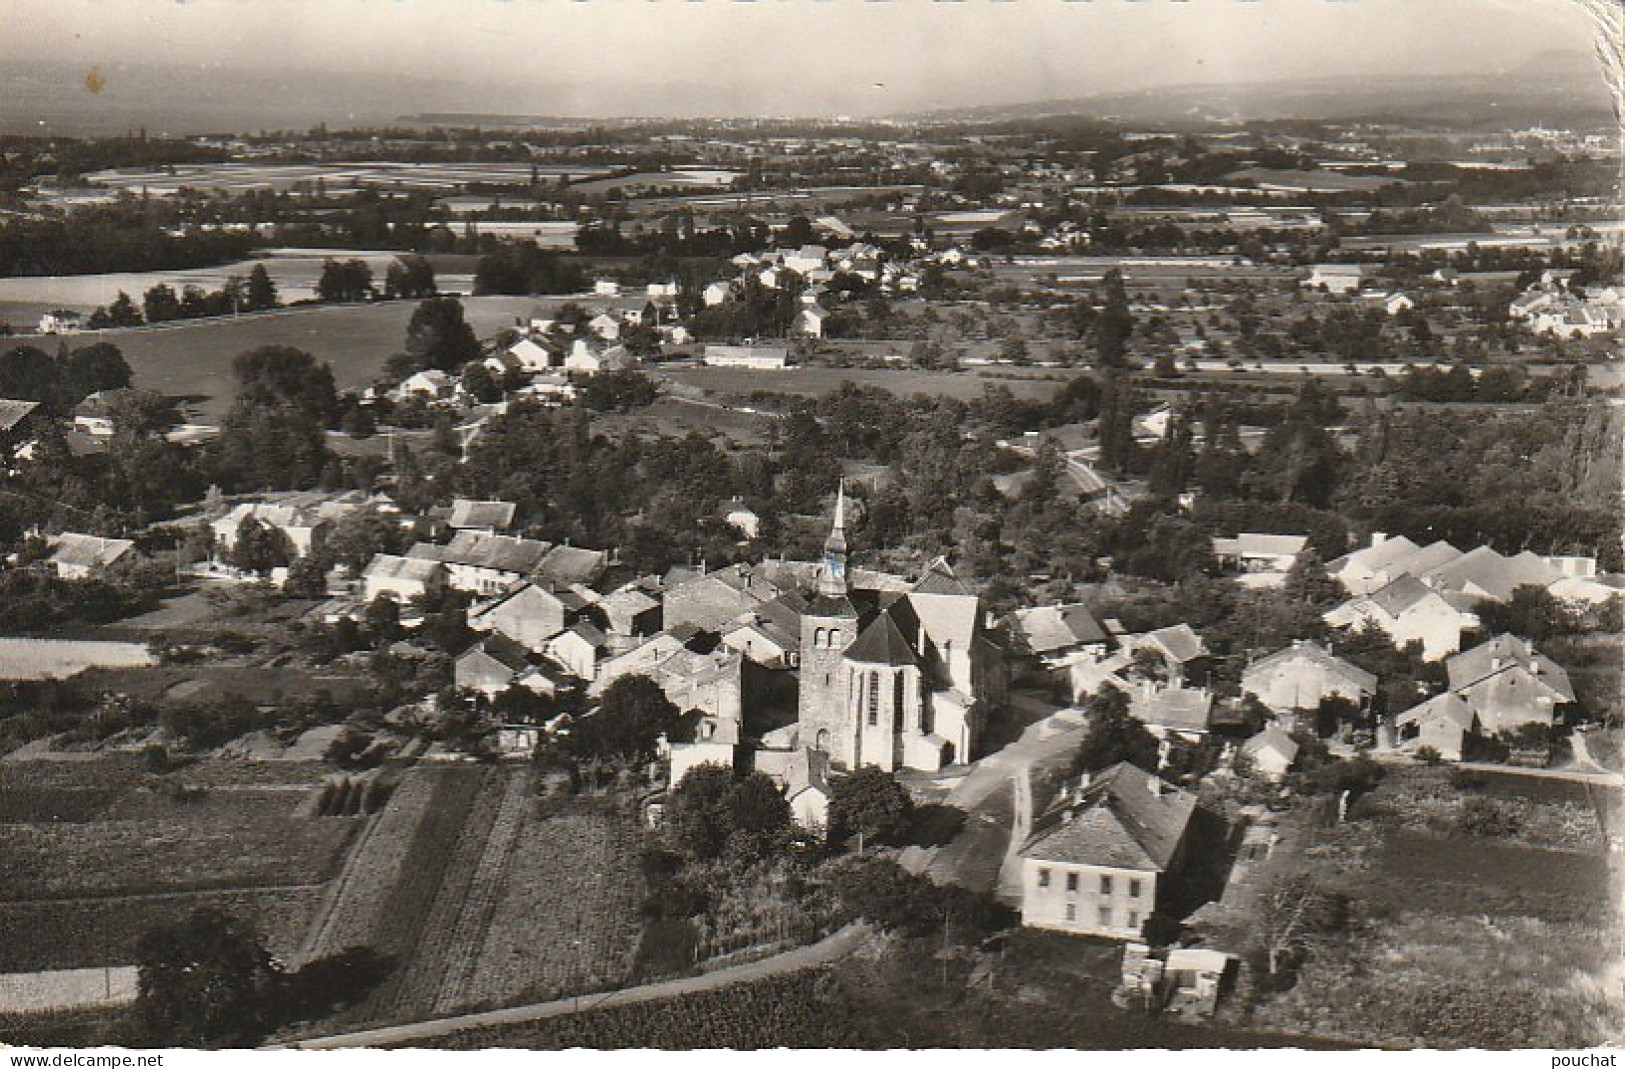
(809,57)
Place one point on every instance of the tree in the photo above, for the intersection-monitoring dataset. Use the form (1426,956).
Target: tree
(261,291)
(121,313)
(1532,612)
(1113,735)
(871,804)
(759,814)
(1295,914)
(1307,580)
(208,980)
(632,715)
(344,280)
(160,304)
(274,436)
(97,367)
(409,276)
(438,335)
(259,547)
(697,814)
(1113,325)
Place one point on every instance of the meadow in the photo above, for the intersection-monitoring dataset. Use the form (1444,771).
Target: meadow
(1461,939)
(192,358)
(742,383)
(42,658)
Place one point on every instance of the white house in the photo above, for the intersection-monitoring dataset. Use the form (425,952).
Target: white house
(401,578)
(1336,278)
(756,357)
(61,321)
(80,556)
(810,321)
(1408,610)
(604,287)
(716,293)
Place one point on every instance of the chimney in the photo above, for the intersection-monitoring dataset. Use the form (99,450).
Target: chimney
(1378,537)
(1154,785)
(1495,664)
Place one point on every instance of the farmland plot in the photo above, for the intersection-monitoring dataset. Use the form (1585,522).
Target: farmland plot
(566,920)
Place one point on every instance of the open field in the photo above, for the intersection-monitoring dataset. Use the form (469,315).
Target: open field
(486,895)
(192,358)
(24,298)
(145,843)
(817,381)
(1459,940)
(240,177)
(91,856)
(52,658)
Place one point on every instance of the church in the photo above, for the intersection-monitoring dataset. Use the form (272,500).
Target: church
(893,674)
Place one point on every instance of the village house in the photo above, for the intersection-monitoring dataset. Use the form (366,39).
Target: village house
(82,556)
(1272,752)
(755,357)
(430,385)
(577,649)
(485,564)
(1100,861)
(484,517)
(743,519)
(1297,679)
(1407,610)
(573,564)
(810,321)
(16,422)
(1508,684)
(1443,723)
(716,293)
(61,321)
(494,664)
(769,635)
(803,775)
(528,613)
(1335,278)
(404,579)
(711,600)
(1368,568)
(630,612)
(1056,633)
(531,355)
(1259,560)
(303,517)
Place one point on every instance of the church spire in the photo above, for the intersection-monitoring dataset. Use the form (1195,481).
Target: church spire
(832,582)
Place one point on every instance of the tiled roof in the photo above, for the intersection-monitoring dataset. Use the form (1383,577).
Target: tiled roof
(1500,654)
(1125,818)
(1400,595)
(88,551)
(494,514)
(1314,653)
(13,412)
(1057,627)
(882,643)
(1448,706)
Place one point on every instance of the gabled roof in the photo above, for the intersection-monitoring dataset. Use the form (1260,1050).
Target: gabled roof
(586,632)
(1375,558)
(1048,628)
(1447,706)
(505,553)
(1125,818)
(1420,562)
(1251,544)
(88,551)
(1316,654)
(572,564)
(1173,708)
(13,412)
(1271,738)
(501,649)
(493,514)
(1400,595)
(1179,643)
(882,642)
(411,569)
(940,579)
(1504,653)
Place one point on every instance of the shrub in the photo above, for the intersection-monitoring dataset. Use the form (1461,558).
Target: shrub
(1429,756)
(1489,818)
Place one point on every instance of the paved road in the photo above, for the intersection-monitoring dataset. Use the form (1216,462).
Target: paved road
(997,797)
(830,949)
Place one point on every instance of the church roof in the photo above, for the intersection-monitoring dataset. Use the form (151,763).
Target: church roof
(824,605)
(882,642)
(940,579)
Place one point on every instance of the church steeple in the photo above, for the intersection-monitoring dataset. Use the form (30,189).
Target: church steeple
(832,581)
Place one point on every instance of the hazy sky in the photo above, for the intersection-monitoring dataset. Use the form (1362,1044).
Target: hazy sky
(857,57)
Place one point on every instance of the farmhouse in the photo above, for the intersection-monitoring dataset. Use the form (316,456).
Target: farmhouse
(303,517)
(1260,560)
(533,355)
(1335,278)
(484,564)
(1100,861)
(1408,610)
(80,556)
(1366,569)
(1303,675)
(1272,752)
(1444,722)
(755,357)
(1054,633)
(803,776)
(577,649)
(494,664)
(1508,684)
(528,613)
(401,578)
(485,517)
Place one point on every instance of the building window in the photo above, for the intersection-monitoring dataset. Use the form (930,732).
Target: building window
(874,698)
(1071,911)
(1105,885)
(1105,916)
(1072,882)
(1134,919)
(897,697)
(1043,877)
(818,637)
(1134,889)
(834,638)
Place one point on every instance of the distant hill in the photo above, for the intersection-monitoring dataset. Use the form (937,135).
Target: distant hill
(1562,89)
